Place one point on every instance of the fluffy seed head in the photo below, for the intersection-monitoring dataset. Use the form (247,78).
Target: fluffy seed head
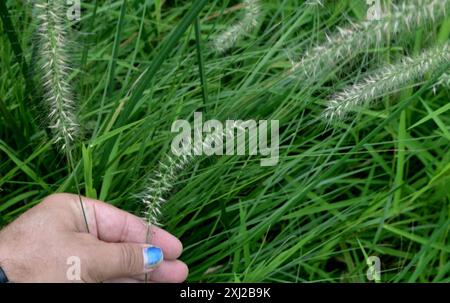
(249,21)
(160,183)
(54,71)
(444,80)
(360,36)
(386,80)
(314,2)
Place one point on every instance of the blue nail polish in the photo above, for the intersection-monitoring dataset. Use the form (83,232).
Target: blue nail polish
(152,256)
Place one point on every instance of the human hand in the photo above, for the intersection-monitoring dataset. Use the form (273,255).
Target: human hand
(39,244)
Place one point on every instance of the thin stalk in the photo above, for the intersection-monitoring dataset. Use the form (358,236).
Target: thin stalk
(73,172)
(200,61)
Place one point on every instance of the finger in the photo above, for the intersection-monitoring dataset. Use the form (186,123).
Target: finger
(115,225)
(174,271)
(170,272)
(117,260)
(171,246)
(123,280)
(111,224)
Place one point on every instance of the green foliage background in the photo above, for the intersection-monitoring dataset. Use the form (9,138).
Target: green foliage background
(377,184)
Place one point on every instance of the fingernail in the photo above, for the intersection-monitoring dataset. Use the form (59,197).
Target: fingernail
(152,256)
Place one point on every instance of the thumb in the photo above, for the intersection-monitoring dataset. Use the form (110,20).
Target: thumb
(118,260)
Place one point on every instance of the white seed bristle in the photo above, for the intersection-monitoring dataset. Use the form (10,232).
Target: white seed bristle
(386,80)
(54,71)
(250,19)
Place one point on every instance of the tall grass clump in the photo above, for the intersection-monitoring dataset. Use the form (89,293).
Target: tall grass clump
(228,38)
(54,67)
(386,80)
(360,36)
(375,186)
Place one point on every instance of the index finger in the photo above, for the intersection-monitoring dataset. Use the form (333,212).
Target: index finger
(111,224)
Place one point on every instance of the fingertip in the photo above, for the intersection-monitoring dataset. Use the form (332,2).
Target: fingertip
(170,272)
(170,244)
(185,272)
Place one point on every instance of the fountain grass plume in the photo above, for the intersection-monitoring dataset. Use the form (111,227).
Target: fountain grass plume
(444,80)
(159,184)
(386,80)
(314,2)
(54,68)
(360,36)
(228,38)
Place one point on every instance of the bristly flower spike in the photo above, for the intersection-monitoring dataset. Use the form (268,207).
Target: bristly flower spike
(159,184)
(360,36)
(386,80)
(314,2)
(249,21)
(53,61)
